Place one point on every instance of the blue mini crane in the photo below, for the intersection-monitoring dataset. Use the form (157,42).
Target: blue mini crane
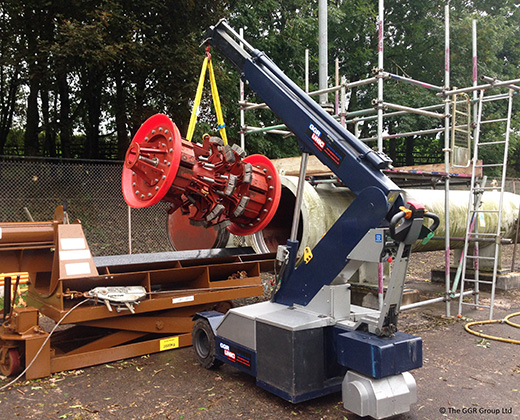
(309,340)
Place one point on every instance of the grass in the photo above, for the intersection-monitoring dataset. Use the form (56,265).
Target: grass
(20,297)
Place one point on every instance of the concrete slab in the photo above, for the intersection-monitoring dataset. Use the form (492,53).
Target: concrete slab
(505,281)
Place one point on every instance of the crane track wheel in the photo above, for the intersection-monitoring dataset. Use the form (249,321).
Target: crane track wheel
(203,340)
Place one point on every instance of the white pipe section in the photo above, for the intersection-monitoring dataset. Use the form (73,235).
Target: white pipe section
(447,157)
(323,204)
(380,65)
(316,217)
(242,111)
(306,70)
(129,230)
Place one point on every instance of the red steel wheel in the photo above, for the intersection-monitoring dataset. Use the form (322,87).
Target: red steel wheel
(273,193)
(10,363)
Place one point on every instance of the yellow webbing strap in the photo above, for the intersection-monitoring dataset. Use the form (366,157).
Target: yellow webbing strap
(216,103)
(196,104)
(216,100)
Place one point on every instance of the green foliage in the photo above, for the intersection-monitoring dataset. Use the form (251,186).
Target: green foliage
(284,30)
(94,70)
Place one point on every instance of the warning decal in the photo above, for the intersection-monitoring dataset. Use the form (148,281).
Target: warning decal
(169,343)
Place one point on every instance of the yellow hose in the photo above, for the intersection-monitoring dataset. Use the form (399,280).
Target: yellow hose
(513,324)
(494,321)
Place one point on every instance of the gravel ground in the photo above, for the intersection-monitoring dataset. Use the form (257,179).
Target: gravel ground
(463,377)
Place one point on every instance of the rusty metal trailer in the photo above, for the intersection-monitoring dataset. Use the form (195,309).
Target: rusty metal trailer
(96,328)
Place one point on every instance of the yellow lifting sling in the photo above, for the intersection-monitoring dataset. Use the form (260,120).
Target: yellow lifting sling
(216,100)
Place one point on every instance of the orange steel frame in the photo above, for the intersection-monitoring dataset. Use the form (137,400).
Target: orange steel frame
(61,269)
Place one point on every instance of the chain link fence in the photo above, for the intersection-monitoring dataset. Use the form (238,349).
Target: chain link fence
(92,191)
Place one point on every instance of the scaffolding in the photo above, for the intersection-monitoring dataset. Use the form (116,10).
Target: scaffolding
(455,108)
(475,211)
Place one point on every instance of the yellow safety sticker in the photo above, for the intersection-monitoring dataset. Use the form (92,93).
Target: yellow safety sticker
(169,343)
(307,255)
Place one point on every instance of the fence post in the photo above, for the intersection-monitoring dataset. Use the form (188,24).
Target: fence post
(129,230)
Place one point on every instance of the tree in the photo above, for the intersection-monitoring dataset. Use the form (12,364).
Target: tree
(284,30)
(10,74)
(101,67)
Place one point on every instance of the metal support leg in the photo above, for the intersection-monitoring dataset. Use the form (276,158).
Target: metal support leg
(7,297)
(299,196)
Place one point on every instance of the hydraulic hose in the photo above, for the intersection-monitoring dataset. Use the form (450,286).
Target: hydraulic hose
(506,320)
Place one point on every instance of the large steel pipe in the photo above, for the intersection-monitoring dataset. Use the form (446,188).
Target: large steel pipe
(321,207)
(324,203)
(486,221)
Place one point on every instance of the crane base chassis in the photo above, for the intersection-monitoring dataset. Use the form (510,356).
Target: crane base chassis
(299,355)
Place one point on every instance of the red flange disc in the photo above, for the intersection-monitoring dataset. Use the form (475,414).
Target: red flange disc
(272,200)
(151,162)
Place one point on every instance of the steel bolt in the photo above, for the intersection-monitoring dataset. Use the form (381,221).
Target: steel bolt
(146,139)
(160,128)
(137,192)
(153,131)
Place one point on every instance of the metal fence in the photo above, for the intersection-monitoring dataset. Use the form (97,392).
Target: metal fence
(92,191)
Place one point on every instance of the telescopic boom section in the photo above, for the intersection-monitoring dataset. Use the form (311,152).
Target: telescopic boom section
(318,133)
(358,167)
(210,183)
